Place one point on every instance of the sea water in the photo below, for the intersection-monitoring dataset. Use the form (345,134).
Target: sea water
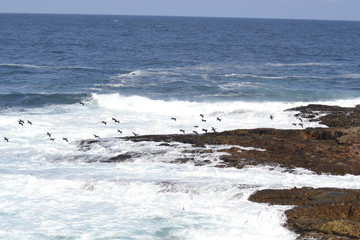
(143,71)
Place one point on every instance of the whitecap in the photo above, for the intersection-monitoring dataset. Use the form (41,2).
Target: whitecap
(22,65)
(300,64)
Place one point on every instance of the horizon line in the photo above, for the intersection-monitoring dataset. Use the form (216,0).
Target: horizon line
(190,16)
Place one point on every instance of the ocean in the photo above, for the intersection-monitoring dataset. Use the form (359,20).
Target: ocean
(65,74)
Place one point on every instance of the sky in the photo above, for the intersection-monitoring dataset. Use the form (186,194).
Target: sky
(288,9)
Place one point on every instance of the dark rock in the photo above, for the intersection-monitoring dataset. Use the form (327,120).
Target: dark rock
(304,196)
(322,150)
(335,116)
(340,219)
(118,158)
(327,213)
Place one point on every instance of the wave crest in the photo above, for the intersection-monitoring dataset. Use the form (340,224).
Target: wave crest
(300,64)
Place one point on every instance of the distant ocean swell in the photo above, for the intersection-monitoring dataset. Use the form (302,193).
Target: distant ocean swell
(30,66)
(31,100)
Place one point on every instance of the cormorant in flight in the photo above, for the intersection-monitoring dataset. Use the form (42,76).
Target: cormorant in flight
(115,120)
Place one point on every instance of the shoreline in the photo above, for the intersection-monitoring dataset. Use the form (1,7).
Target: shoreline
(324,213)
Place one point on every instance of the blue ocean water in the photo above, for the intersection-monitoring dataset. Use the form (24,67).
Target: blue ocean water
(54,59)
(144,71)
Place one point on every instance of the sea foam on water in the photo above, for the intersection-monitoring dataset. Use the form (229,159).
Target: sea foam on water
(58,189)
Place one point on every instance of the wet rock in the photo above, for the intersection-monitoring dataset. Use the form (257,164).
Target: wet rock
(334,116)
(334,150)
(327,213)
(231,150)
(322,150)
(305,196)
(118,158)
(340,219)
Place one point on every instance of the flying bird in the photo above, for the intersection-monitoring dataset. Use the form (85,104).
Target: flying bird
(104,122)
(21,122)
(219,119)
(196,126)
(205,130)
(96,136)
(201,115)
(66,139)
(173,118)
(29,122)
(203,120)
(119,131)
(271,117)
(182,130)
(115,120)
(135,134)
(81,103)
(6,139)
(49,134)
(214,129)
(52,139)
(195,132)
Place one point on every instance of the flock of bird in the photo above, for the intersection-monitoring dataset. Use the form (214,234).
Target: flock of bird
(22,122)
(196,132)
(196,126)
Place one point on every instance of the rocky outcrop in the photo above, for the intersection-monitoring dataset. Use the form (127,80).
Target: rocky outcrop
(331,116)
(334,150)
(324,213)
(326,150)
(320,213)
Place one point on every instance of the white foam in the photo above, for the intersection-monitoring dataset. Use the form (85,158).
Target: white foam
(50,190)
(22,65)
(300,64)
(236,114)
(350,75)
(43,66)
(240,75)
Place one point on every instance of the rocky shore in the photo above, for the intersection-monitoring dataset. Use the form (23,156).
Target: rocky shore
(320,213)
(323,213)
(335,149)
